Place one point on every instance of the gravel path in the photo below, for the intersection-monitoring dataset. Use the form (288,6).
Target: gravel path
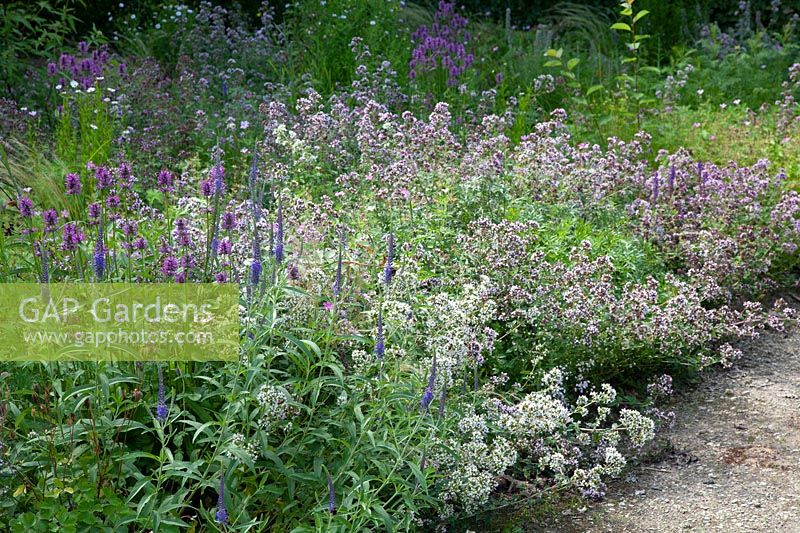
(734,464)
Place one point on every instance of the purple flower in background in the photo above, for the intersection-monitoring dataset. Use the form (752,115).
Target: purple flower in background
(52,69)
(73,183)
(222,512)
(442,45)
(228,220)
(124,175)
(72,236)
(45,267)
(389,268)
(255,272)
(206,188)
(83,47)
(165,181)
(99,258)
(221,277)
(104,178)
(112,201)
(122,69)
(169,267)
(94,210)
(139,243)
(161,408)
(225,247)
(380,340)
(427,396)
(337,283)
(671,179)
(655,188)
(25,206)
(50,218)
(293,271)
(331,496)
(279,234)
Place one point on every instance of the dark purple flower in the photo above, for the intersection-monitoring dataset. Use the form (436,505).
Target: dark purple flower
(45,267)
(222,512)
(206,188)
(83,47)
(279,235)
(99,258)
(221,277)
(50,218)
(255,272)
(112,201)
(655,188)
(73,183)
(389,268)
(94,210)
(165,181)
(122,69)
(337,283)
(427,396)
(161,408)
(25,206)
(72,236)
(228,220)
(293,271)
(104,178)
(225,247)
(139,243)
(331,496)
(52,69)
(169,267)
(380,340)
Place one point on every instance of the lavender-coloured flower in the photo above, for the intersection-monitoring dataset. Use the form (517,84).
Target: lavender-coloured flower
(72,183)
(104,177)
(207,188)
(228,220)
(161,409)
(427,396)
(165,181)
(255,272)
(50,218)
(25,206)
(331,496)
(388,270)
(169,267)
(99,257)
(337,283)
(72,237)
(380,340)
(94,210)
(279,235)
(222,511)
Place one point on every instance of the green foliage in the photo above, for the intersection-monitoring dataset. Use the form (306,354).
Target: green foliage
(31,30)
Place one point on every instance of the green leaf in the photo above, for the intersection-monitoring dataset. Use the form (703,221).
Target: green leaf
(572,63)
(553,63)
(640,14)
(593,89)
(620,26)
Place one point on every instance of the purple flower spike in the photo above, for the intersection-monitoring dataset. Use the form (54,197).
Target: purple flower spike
(25,206)
(222,511)
(331,496)
(388,271)
(337,284)
(427,396)
(73,183)
(161,408)
(99,259)
(380,340)
(279,235)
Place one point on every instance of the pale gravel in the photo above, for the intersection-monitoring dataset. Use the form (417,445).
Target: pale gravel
(734,463)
